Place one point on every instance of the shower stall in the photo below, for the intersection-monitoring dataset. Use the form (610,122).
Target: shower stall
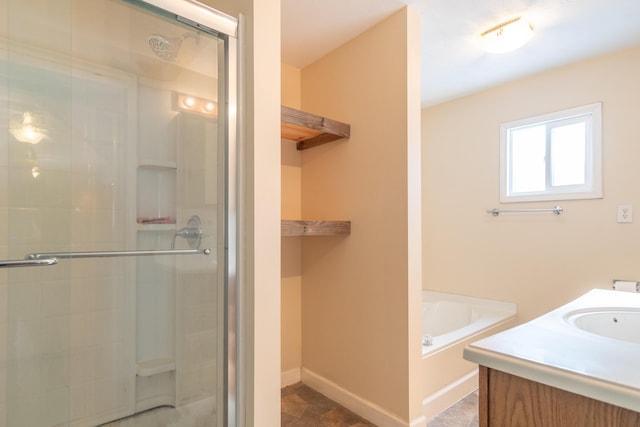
(117,201)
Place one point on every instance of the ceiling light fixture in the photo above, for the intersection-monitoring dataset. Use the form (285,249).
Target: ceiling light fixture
(194,104)
(507,36)
(26,130)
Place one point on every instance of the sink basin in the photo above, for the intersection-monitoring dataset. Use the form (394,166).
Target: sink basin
(616,323)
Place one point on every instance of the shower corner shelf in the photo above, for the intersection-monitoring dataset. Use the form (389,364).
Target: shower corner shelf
(156,227)
(157,164)
(314,228)
(155,366)
(310,130)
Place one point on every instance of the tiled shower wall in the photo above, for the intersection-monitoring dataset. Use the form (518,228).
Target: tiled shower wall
(199,288)
(68,344)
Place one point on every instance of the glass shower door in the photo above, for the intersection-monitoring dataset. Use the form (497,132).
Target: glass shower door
(113,191)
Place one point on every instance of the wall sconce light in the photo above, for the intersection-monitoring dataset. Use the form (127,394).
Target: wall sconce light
(507,36)
(26,130)
(193,104)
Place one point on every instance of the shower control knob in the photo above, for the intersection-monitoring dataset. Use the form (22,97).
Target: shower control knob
(192,233)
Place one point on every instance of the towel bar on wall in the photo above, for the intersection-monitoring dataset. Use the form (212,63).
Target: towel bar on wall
(556,210)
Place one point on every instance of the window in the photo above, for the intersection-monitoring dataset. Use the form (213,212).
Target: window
(555,156)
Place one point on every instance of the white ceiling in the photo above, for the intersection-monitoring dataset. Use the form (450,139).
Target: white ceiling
(453,62)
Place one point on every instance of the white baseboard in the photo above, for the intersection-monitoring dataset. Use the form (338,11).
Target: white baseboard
(367,410)
(289,377)
(447,396)
(419,422)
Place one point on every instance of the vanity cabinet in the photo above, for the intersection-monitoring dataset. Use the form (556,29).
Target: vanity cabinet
(507,400)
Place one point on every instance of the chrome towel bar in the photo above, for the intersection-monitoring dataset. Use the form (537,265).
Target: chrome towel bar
(556,210)
(9,263)
(44,259)
(112,254)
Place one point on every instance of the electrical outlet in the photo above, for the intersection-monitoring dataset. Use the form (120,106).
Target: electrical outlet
(625,213)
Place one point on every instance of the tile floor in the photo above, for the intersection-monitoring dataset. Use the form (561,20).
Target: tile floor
(463,414)
(300,406)
(303,406)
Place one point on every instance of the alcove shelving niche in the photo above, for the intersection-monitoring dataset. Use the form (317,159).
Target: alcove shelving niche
(310,130)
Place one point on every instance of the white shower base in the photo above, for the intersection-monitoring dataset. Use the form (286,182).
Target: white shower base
(196,414)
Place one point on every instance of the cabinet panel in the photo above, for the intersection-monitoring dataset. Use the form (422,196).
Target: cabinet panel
(508,400)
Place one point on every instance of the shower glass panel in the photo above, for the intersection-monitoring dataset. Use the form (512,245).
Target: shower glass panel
(113,193)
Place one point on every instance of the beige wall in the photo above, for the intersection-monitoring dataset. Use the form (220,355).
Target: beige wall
(538,261)
(291,328)
(357,296)
(290,86)
(263,209)
(260,351)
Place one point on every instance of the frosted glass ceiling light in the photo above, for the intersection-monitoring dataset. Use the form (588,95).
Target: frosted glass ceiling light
(507,36)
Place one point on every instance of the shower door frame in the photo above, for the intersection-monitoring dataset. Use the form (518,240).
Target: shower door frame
(227,28)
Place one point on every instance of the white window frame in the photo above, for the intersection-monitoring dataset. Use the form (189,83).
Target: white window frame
(592,189)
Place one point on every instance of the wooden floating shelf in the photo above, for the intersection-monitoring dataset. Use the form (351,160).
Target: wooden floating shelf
(314,228)
(310,130)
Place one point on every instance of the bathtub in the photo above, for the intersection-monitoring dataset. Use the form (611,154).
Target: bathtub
(449,323)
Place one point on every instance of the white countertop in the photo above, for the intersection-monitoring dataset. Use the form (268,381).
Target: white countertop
(550,351)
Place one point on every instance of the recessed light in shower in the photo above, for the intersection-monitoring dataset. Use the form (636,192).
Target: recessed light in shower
(189,102)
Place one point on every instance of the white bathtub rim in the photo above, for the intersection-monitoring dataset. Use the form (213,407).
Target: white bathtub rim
(494,313)
(467,298)
(429,350)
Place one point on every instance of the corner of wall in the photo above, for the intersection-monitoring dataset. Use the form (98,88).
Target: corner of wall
(291,268)
(290,84)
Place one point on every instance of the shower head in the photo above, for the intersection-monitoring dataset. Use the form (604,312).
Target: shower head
(167,48)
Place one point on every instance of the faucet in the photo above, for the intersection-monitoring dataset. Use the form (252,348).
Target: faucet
(427,339)
(192,233)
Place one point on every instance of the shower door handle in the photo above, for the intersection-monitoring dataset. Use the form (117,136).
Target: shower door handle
(115,254)
(11,263)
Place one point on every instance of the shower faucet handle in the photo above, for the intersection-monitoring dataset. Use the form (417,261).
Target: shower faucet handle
(192,233)
(189,233)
